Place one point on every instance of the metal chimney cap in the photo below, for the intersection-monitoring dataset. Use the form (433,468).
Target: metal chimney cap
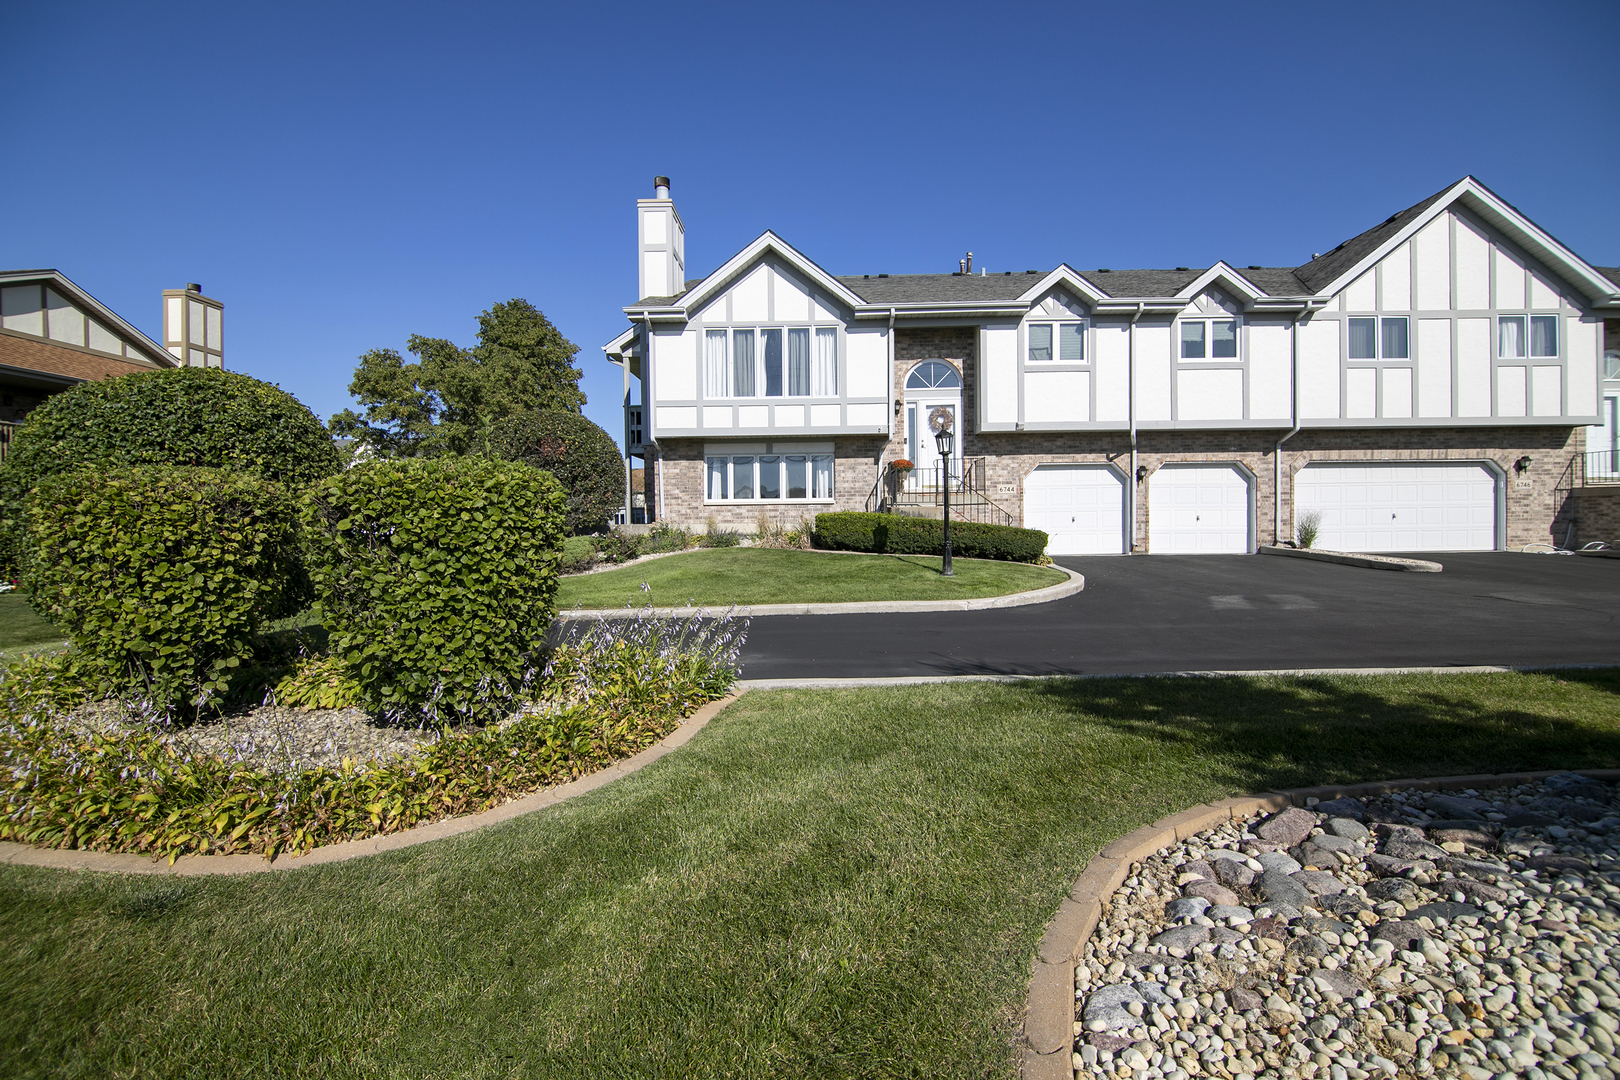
(192,286)
(660,187)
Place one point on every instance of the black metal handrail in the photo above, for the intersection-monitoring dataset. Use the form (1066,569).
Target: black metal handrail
(1600,467)
(916,490)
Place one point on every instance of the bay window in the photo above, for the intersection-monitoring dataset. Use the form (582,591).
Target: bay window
(1380,339)
(795,361)
(786,477)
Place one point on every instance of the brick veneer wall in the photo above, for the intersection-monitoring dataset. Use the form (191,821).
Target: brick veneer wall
(1597,515)
(855,470)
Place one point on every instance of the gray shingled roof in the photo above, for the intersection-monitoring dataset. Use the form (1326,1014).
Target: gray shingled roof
(1273,281)
(939,288)
(1610,272)
(1318,272)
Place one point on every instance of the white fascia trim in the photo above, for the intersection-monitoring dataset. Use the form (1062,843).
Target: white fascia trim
(615,349)
(1224,273)
(768,242)
(1525,232)
(160,355)
(1065,275)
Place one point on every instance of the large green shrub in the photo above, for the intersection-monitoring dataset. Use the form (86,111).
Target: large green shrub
(583,458)
(437,579)
(848,530)
(163,575)
(202,417)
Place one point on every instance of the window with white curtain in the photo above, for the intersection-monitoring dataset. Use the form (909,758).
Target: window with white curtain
(779,477)
(1070,338)
(1511,339)
(1380,339)
(796,361)
(1209,339)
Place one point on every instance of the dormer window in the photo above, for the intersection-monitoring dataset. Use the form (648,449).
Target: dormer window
(1069,338)
(1209,339)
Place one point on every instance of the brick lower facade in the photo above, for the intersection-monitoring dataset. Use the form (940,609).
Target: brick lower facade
(1597,515)
(1539,509)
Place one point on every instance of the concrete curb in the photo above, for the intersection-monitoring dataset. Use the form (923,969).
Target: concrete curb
(925,680)
(1048,1030)
(14,854)
(1076,583)
(1372,562)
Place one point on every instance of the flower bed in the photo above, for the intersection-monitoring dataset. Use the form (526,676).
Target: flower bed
(607,691)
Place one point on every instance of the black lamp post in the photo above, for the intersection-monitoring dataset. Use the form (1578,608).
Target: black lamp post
(945,440)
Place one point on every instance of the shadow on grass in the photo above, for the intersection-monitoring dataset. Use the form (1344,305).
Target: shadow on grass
(1256,733)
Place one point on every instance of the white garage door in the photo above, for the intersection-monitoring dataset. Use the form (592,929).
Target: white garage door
(1419,507)
(1081,507)
(1198,509)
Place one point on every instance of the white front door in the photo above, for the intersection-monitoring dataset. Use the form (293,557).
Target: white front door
(1081,508)
(920,445)
(1427,506)
(1199,509)
(1602,441)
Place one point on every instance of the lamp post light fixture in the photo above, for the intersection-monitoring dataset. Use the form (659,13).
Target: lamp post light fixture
(945,441)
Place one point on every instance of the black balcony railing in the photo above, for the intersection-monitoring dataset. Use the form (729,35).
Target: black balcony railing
(1600,467)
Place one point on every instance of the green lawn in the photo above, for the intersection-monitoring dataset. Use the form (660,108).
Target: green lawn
(20,627)
(822,883)
(727,576)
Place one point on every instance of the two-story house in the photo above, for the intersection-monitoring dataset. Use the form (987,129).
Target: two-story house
(55,335)
(1426,385)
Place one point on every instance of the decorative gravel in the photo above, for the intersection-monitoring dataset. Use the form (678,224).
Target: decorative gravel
(1461,934)
(274,737)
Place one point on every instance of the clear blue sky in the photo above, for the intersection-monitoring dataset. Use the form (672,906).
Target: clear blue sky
(342,175)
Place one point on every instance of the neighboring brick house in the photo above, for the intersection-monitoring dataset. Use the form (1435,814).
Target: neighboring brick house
(54,335)
(1426,385)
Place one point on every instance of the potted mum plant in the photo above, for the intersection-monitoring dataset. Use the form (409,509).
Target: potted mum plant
(902,468)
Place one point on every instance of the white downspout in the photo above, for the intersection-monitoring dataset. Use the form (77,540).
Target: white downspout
(877,483)
(1130,405)
(1293,414)
(629,496)
(647,412)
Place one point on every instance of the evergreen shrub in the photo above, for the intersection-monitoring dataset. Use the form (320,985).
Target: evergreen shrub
(163,575)
(584,459)
(850,530)
(437,580)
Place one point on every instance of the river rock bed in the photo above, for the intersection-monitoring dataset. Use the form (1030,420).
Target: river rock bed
(1450,934)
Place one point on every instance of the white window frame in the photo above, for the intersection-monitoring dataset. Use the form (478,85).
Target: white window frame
(1378,338)
(1526,321)
(1056,326)
(733,462)
(1209,341)
(815,332)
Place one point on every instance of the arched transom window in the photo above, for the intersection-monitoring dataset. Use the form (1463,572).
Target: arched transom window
(933,375)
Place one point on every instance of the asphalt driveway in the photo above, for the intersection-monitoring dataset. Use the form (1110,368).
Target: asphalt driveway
(1230,612)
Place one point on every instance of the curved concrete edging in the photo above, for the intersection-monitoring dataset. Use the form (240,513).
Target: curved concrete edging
(1344,558)
(14,854)
(1048,1029)
(1076,583)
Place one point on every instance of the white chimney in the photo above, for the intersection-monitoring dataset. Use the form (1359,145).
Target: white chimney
(194,327)
(662,243)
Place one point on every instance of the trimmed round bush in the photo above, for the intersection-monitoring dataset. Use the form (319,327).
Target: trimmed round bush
(437,580)
(201,417)
(583,458)
(163,575)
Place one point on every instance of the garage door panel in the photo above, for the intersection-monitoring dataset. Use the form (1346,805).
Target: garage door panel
(1199,509)
(1081,508)
(1418,507)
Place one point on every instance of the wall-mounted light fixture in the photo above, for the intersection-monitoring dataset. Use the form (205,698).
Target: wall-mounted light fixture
(1522,465)
(898,405)
(1141,473)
